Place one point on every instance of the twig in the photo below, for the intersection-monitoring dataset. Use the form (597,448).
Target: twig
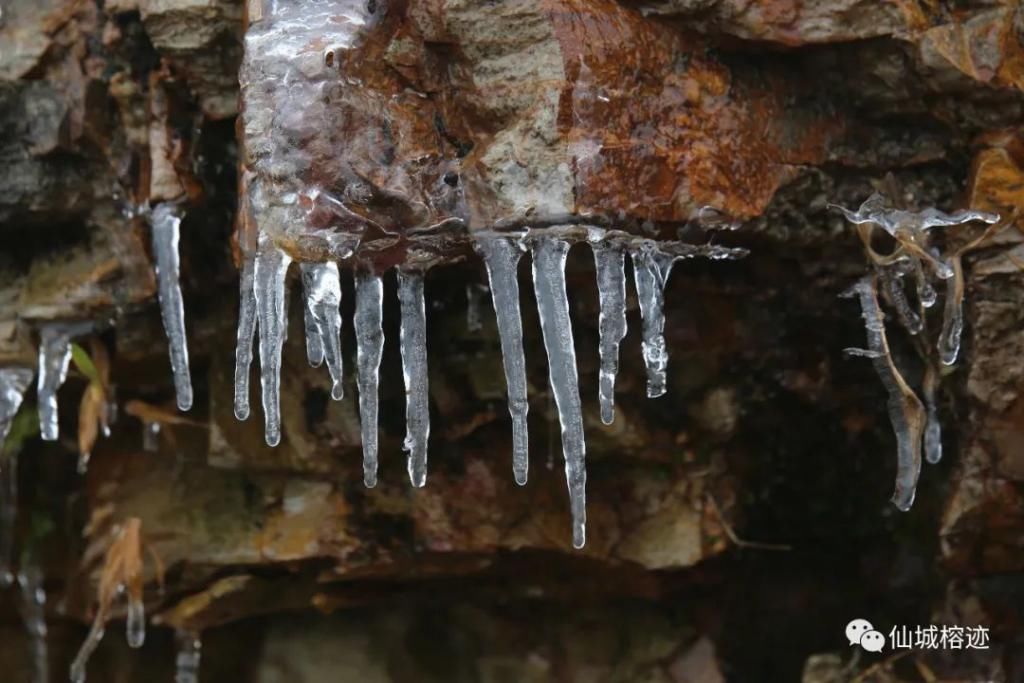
(878,666)
(737,541)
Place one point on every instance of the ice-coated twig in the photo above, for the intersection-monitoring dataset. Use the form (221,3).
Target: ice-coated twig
(953,315)
(549,255)
(413,343)
(269,274)
(322,289)
(876,210)
(611,291)
(166,228)
(891,279)
(369,347)
(501,255)
(651,269)
(246,334)
(933,428)
(54,358)
(905,410)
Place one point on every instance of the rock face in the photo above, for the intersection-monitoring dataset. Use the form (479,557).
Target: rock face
(381,134)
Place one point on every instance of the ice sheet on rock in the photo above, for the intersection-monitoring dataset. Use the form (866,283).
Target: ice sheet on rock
(322,291)
(549,255)
(166,228)
(13,384)
(32,606)
(953,315)
(269,274)
(188,656)
(246,335)
(905,410)
(54,358)
(611,290)
(501,255)
(651,269)
(413,344)
(369,347)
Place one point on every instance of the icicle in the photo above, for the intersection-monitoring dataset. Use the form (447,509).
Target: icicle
(187,659)
(905,410)
(166,224)
(54,357)
(135,624)
(322,290)
(369,347)
(651,269)
(933,428)
(269,273)
(475,294)
(314,345)
(892,280)
(246,332)
(549,256)
(151,436)
(413,344)
(13,383)
(8,515)
(81,661)
(33,613)
(501,256)
(611,291)
(953,315)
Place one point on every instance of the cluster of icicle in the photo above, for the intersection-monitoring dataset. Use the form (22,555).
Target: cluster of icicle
(54,359)
(915,423)
(263,305)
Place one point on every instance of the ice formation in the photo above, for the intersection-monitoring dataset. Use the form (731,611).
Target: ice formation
(188,656)
(322,292)
(413,344)
(166,226)
(611,291)
(501,255)
(32,605)
(549,254)
(369,348)
(246,334)
(54,358)
(651,269)
(13,383)
(905,410)
(269,289)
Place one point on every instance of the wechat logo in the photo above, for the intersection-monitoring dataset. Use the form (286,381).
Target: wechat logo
(861,632)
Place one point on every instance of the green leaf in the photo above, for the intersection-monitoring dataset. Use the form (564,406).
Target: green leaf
(84,363)
(24,426)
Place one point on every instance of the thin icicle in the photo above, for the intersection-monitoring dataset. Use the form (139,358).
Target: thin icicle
(54,357)
(611,292)
(549,254)
(475,294)
(953,315)
(933,428)
(413,343)
(135,624)
(246,333)
(501,256)
(32,605)
(269,273)
(905,409)
(369,347)
(651,269)
(81,660)
(188,656)
(322,290)
(13,384)
(892,279)
(166,224)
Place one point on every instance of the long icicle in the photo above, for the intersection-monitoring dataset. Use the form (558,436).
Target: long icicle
(369,347)
(246,334)
(905,410)
(549,256)
(501,256)
(166,228)
(322,290)
(269,273)
(13,384)
(54,358)
(611,292)
(413,343)
(651,269)
(188,656)
(953,315)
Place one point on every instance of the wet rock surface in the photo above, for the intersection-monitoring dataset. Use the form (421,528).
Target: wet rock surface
(736,524)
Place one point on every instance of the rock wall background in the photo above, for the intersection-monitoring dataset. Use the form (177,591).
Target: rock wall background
(293,571)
